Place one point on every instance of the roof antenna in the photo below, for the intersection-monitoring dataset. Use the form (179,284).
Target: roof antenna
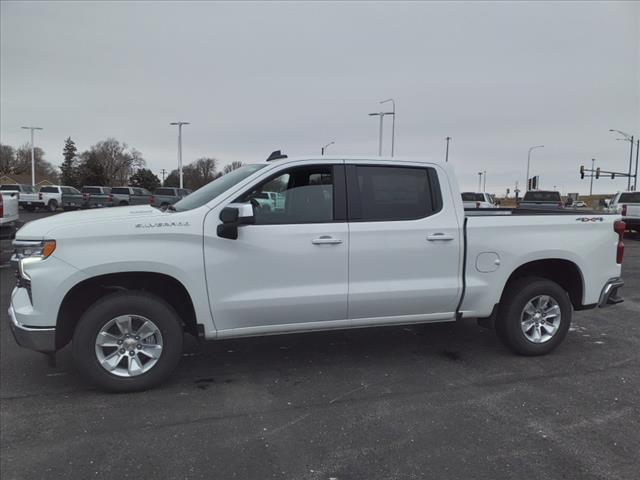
(276,155)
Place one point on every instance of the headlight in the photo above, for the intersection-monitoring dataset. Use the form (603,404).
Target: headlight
(23,249)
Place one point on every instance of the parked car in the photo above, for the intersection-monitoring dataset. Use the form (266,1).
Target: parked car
(478,200)
(27,194)
(165,196)
(628,205)
(130,196)
(9,214)
(97,197)
(541,199)
(380,241)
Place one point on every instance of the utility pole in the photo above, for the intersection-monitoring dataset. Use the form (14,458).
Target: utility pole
(446,156)
(180,124)
(381,114)
(325,147)
(163,172)
(33,155)
(635,176)
(393,124)
(593,163)
(479,181)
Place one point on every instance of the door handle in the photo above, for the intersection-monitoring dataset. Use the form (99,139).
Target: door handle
(439,237)
(326,240)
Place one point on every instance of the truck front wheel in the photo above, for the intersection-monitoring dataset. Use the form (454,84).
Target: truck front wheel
(128,341)
(534,316)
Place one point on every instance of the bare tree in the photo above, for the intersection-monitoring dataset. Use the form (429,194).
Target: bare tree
(230,167)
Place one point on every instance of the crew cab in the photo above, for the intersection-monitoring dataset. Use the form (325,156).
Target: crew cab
(627,204)
(27,194)
(88,197)
(359,242)
(123,196)
(478,200)
(541,199)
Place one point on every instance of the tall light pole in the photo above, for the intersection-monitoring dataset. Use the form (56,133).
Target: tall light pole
(479,181)
(446,155)
(325,147)
(629,138)
(33,155)
(393,124)
(381,114)
(484,185)
(180,124)
(593,164)
(529,163)
(635,178)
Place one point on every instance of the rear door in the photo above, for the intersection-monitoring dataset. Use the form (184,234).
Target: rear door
(405,245)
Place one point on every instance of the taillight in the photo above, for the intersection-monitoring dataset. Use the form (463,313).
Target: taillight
(152,200)
(619,227)
(85,195)
(477,204)
(624,211)
(110,198)
(560,205)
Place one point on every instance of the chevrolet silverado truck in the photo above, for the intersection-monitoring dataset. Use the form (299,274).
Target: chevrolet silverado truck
(123,196)
(88,197)
(478,200)
(541,199)
(165,196)
(359,242)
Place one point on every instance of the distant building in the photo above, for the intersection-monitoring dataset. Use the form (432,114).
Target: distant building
(23,179)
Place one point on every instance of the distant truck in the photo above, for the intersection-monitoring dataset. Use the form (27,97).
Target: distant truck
(628,205)
(24,193)
(544,199)
(165,196)
(130,196)
(478,200)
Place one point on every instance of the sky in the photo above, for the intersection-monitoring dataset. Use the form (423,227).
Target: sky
(497,77)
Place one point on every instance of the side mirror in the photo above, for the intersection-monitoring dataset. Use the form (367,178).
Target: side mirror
(232,216)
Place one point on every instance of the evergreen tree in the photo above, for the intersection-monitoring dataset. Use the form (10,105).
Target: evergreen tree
(145,178)
(69,166)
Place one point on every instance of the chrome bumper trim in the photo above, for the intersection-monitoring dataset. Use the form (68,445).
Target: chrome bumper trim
(610,292)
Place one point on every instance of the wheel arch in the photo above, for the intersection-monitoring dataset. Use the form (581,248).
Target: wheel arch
(82,295)
(564,272)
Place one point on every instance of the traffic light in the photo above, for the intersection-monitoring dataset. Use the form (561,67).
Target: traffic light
(598,172)
(582,172)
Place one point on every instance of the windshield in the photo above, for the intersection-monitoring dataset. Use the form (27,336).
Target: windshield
(631,197)
(213,189)
(542,197)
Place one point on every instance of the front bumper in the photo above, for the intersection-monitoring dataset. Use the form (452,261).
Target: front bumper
(611,292)
(39,339)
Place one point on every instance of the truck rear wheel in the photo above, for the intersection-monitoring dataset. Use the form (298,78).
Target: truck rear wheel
(534,316)
(52,206)
(128,341)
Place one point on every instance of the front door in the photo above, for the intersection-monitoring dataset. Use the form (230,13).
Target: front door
(288,271)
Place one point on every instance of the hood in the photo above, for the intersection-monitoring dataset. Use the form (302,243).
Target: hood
(38,228)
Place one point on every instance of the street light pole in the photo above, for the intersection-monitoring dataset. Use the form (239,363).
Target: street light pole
(479,180)
(180,124)
(529,163)
(484,186)
(325,147)
(629,138)
(635,177)
(446,156)
(381,114)
(593,163)
(393,124)
(33,155)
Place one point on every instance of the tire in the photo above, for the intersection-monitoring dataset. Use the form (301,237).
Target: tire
(29,208)
(52,206)
(123,204)
(122,305)
(512,320)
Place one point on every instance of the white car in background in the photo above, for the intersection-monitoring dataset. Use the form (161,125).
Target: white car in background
(478,200)
(628,205)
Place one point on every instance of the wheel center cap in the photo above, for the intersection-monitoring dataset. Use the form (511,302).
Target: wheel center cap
(130,343)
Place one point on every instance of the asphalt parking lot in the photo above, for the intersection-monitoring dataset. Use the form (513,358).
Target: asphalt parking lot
(436,401)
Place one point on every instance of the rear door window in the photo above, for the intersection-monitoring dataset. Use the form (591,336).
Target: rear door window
(629,197)
(164,191)
(91,190)
(49,189)
(386,193)
(120,191)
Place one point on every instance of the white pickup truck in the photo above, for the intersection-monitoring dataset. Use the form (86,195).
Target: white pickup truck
(9,214)
(627,204)
(359,242)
